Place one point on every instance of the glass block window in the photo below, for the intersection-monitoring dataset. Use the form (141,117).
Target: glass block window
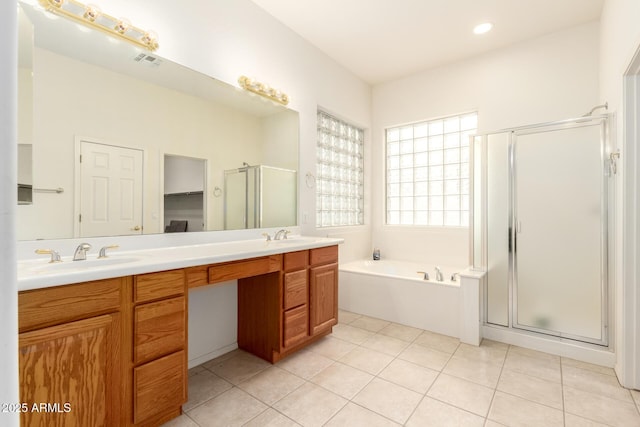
(339,172)
(428,172)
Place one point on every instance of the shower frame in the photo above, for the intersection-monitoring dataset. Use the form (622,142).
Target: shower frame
(478,250)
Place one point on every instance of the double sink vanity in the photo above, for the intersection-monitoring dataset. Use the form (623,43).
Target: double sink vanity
(105,340)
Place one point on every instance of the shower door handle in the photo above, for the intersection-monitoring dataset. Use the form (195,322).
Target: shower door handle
(518,227)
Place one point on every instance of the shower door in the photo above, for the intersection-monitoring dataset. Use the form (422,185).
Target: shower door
(558,230)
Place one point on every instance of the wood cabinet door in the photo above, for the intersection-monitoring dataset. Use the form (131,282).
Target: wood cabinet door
(323,297)
(71,373)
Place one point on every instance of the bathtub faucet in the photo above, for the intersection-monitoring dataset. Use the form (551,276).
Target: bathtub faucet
(454,276)
(439,276)
(426,275)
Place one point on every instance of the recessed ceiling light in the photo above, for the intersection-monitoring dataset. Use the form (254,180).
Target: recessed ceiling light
(482,28)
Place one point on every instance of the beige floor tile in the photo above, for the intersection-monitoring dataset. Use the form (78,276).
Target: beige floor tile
(367,360)
(305,364)
(409,375)
(271,418)
(384,344)
(401,332)
(431,412)
(204,386)
(346,317)
(182,421)
(353,415)
(370,324)
(531,388)
(222,358)
(636,396)
(389,400)
(425,357)
(351,334)
(588,366)
(600,408)
(490,423)
(343,380)
(483,373)
(548,369)
(533,353)
(438,342)
(594,382)
(462,394)
(487,351)
(571,420)
(196,370)
(517,412)
(331,347)
(232,408)
(271,385)
(310,405)
(239,367)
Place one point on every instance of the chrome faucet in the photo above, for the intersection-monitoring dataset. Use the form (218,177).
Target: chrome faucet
(55,256)
(103,250)
(425,275)
(454,277)
(81,252)
(282,234)
(439,276)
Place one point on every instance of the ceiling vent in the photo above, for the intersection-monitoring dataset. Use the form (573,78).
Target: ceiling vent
(149,60)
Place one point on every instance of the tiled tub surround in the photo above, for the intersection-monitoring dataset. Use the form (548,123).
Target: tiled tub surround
(372,372)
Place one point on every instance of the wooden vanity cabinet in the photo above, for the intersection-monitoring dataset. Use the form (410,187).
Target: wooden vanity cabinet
(323,289)
(280,313)
(159,354)
(70,354)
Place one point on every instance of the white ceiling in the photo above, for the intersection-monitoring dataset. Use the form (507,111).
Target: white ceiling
(382,40)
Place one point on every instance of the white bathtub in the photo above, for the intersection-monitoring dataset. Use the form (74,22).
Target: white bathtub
(395,291)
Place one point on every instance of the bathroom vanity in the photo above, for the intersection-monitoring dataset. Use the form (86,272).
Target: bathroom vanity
(113,351)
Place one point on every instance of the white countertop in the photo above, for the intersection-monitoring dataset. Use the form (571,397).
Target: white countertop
(39,273)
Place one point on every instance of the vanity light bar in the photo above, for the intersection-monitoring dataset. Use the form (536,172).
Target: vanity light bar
(92,17)
(263,90)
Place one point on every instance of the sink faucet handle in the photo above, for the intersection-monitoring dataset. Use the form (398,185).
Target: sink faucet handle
(81,252)
(55,256)
(267,236)
(103,250)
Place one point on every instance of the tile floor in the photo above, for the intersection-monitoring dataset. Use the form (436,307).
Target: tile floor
(370,372)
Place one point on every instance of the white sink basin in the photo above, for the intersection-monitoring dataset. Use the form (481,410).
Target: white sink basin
(66,266)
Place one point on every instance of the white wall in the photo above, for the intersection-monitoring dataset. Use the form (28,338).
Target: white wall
(619,41)
(550,78)
(8,197)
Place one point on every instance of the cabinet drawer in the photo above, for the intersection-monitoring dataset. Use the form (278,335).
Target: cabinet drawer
(296,325)
(295,289)
(52,306)
(296,260)
(159,328)
(159,385)
(243,269)
(154,286)
(324,255)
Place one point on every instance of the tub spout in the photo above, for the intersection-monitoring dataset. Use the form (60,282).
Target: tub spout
(439,276)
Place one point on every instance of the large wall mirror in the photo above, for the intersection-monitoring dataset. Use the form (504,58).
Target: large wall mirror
(110,126)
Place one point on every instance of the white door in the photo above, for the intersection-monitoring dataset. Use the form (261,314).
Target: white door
(110,190)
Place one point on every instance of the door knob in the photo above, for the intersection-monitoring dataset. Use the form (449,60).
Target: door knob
(137,228)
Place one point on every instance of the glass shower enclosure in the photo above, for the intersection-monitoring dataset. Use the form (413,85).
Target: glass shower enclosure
(541,227)
(259,196)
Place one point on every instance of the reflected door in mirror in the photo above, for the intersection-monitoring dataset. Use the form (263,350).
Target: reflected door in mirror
(110,190)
